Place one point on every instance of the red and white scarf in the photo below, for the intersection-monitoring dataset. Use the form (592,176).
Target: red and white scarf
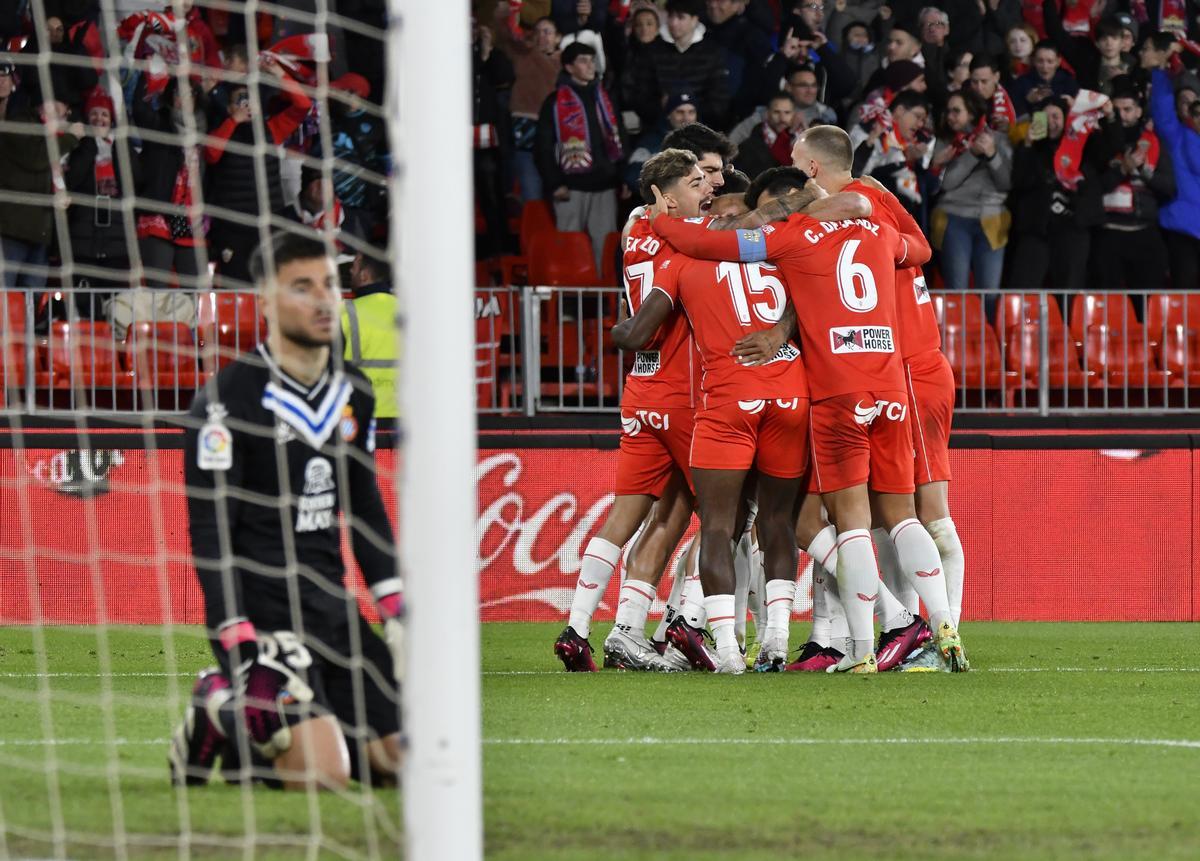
(1120,199)
(1081,122)
(325,219)
(961,142)
(1002,108)
(575,144)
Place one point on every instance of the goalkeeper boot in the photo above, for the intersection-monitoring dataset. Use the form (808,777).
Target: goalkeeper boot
(950,645)
(900,643)
(690,641)
(625,651)
(860,666)
(575,652)
(814,658)
(773,654)
(198,740)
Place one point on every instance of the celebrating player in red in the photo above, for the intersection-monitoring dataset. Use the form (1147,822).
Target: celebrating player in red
(842,278)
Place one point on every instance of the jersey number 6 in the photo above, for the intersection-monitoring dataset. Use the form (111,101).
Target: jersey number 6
(856,283)
(749,280)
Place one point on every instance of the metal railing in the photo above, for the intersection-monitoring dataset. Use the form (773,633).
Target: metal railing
(548,349)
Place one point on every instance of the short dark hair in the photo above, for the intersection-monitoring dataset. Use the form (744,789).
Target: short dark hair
(1161,41)
(775,181)
(781,96)
(375,260)
(909,100)
(984,61)
(687,7)
(1108,27)
(699,139)
(803,67)
(574,51)
(1046,45)
(972,101)
(736,182)
(664,169)
(283,249)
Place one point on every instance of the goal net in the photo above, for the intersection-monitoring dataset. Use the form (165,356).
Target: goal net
(152,154)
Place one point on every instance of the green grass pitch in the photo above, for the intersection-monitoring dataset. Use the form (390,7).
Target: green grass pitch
(1065,741)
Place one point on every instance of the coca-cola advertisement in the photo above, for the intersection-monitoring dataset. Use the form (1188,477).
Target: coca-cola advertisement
(101,535)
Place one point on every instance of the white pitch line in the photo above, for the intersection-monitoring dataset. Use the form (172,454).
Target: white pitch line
(94,675)
(652,740)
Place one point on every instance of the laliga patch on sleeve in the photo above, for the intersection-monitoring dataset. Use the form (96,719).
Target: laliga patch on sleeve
(215,449)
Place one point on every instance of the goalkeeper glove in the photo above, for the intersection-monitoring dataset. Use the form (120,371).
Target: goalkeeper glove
(389,600)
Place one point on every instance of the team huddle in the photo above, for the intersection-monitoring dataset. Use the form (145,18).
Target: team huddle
(789,388)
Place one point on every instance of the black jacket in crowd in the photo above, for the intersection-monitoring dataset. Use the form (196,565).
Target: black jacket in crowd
(1038,201)
(702,70)
(96,222)
(1151,188)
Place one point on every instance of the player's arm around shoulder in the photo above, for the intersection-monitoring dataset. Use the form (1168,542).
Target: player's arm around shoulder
(635,332)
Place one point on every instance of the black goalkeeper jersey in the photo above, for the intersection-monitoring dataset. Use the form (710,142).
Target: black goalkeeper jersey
(269,467)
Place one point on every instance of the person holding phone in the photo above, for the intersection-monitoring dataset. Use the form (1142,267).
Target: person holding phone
(1046,79)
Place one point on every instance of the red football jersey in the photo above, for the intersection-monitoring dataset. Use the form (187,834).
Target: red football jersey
(914,309)
(665,372)
(725,301)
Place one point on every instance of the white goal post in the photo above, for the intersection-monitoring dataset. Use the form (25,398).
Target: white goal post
(429,123)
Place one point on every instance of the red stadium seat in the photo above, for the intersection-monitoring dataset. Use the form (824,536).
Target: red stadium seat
(80,355)
(1018,308)
(1164,311)
(1177,353)
(161,355)
(974,355)
(228,324)
(562,259)
(536,218)
(959,309)
(1122,358)
(12,342)
(1024,356)
(1112,310)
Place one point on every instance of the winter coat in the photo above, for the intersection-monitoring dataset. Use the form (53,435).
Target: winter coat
(1183,213)
(97,226)
(25,169)
(700,69)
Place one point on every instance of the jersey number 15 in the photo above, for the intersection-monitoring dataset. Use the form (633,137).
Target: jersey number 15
(750,281)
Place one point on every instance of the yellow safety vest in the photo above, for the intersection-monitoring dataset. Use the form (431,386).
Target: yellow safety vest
(369,326)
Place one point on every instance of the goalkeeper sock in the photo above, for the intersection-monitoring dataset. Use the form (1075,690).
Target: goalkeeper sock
(920,562)
(945,536)
(889,571)
(633,607)
(599,563)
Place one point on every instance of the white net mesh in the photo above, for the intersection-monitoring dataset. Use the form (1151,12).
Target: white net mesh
(146,154)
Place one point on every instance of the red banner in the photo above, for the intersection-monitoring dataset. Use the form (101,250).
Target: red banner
(1083,535)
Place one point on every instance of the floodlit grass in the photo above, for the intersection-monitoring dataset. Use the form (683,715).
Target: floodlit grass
(1056,745)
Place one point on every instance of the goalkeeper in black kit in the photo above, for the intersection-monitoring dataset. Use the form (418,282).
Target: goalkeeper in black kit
(305,690)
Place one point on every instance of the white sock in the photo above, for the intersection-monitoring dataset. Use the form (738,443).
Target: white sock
(633,607)
(823,551)
(858,580)
(780,595)
(720,622)
(920,562)
(954,564)
(599,562)
(889,611)
(693,609)
(889,571)
(743,565)
(839,628)
(675,599)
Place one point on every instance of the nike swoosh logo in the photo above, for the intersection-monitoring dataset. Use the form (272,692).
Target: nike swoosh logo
(935,572)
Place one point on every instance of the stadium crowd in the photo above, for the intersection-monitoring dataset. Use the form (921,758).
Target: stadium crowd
(196,132)
(1037,143)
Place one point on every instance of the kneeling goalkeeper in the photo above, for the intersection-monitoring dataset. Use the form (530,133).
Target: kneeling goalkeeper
(278,445)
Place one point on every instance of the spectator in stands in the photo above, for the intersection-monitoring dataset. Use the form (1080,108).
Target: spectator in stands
(970,224)
(858,50)
(684,61)
(69,79)
(571,16)
(369,328)
(98,175)
(770,145)
(802,85)
(1047,79)
(491,73)
(933,25)
(26,168)
(536,67)
(803,44)
(1096,60)
(895,148)
(985,83)
(958,70)
(233,177)
(1180,218)
(680,111)
(1018,44)
(1051,222)
(842,15)
(318,208)
(579,149)
(1129,250)
(746,49)
(172,175)
(359,141)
